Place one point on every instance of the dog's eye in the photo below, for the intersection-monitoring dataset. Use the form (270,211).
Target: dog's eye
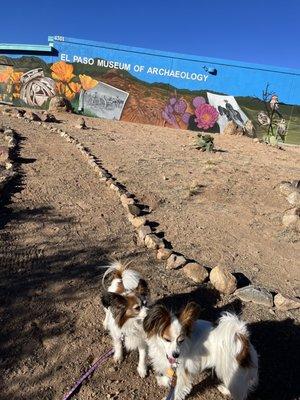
(137,308)
(167,340)
(180,340)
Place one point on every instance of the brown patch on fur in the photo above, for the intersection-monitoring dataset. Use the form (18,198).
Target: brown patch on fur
(157,321)
(142,289)
(166,334)
(129,311)
(188,316)
(120,288)
(244,356)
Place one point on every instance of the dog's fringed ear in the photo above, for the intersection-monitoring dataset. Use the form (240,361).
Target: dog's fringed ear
(113,300)
(157,320)
(189,315)
(142,290)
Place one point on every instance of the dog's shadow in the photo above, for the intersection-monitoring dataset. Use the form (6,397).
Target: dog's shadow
(206,297)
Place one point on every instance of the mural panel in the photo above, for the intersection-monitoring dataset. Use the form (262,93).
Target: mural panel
(156,88)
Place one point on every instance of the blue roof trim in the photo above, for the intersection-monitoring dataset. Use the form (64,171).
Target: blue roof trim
(189,57)
(27,47)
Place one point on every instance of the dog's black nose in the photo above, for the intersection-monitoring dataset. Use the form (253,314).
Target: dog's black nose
(175,354)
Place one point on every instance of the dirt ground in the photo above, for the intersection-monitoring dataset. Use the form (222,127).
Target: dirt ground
(59,225)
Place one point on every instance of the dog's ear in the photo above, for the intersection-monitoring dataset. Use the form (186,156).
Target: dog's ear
(113,300)
(189,315)
(142,290)
(157,320)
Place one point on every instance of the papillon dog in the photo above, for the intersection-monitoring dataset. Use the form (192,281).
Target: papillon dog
(183,342)
(125,305)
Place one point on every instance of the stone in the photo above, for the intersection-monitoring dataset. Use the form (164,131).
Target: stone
(249,128)
(163,253)
(175,261)
(134,210)
(296,183)
(59,104)
(125,200)
(32,116)
(291,218)
(286,188)
(223,280)
(137,222)
(4,154)
(256,140)
(49,118)
(143,231)
(232,128)
(81,124)
(294,198)
(196,272)
(285,303)
(153,242)
(255,295)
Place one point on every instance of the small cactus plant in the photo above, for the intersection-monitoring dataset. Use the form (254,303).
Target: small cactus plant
(205,142)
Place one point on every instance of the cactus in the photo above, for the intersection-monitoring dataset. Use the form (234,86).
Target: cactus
(205,142)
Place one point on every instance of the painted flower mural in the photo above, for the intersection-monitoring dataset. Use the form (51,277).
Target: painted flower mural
(87,82)
(11,80)
(6,74)
(67,83)
(175,111)
(62,72)
(206,116)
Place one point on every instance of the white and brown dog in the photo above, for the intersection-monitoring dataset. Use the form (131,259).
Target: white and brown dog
(125,304)
(193,345)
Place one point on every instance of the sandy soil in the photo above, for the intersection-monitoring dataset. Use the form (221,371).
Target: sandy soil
(59,224)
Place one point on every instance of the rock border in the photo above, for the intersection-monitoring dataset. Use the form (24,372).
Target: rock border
(224,281)
(8,172)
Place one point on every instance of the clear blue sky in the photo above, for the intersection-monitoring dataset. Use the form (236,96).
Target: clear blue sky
(259,31)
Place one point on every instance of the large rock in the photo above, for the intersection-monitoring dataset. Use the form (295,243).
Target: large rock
(175,261)
(195,272)
(59,104)
(286,303)
(232,128)
(223,280)
(294,198)
(256,295)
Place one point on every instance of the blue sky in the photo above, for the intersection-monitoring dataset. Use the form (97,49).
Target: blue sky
(259,31)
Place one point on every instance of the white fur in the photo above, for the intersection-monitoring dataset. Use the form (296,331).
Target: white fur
(207,347)
(131,334)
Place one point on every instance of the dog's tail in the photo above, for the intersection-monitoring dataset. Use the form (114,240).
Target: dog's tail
(128,278)
(235,336)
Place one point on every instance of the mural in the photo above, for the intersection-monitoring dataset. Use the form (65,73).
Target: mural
(156,89)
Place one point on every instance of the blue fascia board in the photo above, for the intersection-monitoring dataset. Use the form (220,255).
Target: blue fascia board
(27,47)
(216,61)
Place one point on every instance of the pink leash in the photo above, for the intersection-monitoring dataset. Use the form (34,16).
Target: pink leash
(100,361)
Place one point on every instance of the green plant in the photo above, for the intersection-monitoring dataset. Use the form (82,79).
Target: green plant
(205,142)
